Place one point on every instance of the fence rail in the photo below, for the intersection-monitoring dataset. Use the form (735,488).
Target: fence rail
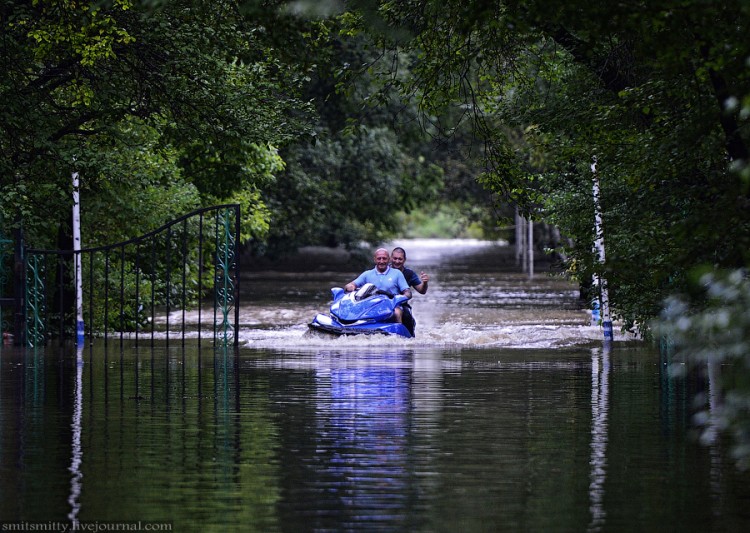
(166,283)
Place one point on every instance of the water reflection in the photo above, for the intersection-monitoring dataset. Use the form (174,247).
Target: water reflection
(164,431)
(711,433)
(353,457)
(599,434)
(77,451)
(33,373)
(357,439)
(362,410)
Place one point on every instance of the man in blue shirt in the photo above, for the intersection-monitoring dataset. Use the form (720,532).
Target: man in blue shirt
(385,278)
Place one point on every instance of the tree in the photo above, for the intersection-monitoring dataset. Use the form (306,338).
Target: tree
(87,81)
(343,190)
(653,90)
(346,184)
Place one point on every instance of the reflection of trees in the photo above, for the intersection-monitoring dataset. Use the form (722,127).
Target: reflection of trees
(710,328)
(162,429)
(345,441)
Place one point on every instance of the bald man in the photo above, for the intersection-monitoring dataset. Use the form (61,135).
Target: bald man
(384,277)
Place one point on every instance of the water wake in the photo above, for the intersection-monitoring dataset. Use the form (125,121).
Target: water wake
(457,336)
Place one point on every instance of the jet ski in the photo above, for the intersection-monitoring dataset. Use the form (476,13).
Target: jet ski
(366,311)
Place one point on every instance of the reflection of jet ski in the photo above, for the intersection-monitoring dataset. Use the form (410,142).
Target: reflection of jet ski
(364,311)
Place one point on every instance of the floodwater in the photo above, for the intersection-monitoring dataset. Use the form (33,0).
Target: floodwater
(476,298)
(506,413)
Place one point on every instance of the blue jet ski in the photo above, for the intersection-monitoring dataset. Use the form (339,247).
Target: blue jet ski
(365,311)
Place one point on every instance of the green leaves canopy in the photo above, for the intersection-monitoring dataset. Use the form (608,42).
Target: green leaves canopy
(657,91)
(196,78)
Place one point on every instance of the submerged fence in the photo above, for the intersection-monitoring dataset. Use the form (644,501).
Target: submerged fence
(174,282)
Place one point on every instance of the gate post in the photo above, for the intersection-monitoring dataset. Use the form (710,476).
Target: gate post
(226,279)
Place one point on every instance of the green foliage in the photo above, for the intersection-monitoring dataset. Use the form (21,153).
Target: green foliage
(109,278)
(171,270)
(262,164)
(356,93)
(344,190)
(658,93)
(130,178)
(449,220)
(653,92)
(154,101)
(160,107)
(716,335)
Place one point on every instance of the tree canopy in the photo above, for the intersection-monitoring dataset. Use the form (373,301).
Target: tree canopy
(323,126)
(187,94)
(658,92)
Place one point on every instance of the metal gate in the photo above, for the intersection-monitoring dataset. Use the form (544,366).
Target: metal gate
(171,283)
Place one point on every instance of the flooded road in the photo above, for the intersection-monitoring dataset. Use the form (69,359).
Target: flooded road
(476,298)
(505,413)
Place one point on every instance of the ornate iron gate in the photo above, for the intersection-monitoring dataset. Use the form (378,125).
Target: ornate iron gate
(161,285)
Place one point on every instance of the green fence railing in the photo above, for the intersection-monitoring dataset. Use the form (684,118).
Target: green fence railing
(169,283)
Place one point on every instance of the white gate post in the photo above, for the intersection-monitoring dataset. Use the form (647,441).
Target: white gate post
(77,260)
(531,248)
(599,244)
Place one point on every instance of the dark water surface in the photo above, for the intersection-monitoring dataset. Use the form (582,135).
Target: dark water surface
(503,415)
(401,440)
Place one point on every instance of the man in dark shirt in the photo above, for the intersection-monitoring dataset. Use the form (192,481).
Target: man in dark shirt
(418,281)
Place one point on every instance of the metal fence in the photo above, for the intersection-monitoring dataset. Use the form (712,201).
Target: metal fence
(172,283)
